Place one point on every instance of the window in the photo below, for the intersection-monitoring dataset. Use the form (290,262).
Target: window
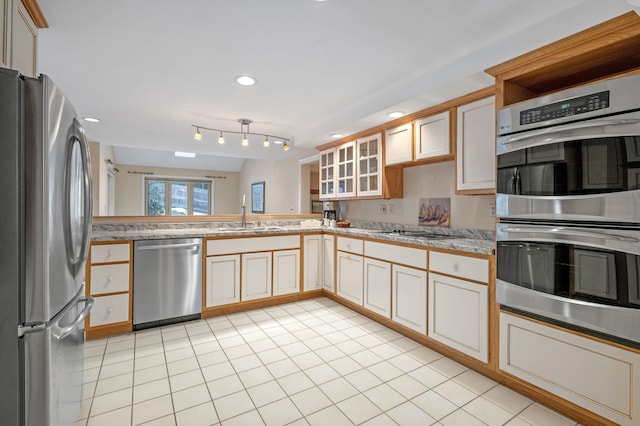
(177,197)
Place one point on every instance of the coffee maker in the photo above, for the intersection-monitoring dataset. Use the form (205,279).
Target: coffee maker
(329,211)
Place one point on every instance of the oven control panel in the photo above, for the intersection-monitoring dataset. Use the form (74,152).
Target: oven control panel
(565,108)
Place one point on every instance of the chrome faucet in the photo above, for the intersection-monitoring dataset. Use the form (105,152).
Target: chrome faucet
(244,217)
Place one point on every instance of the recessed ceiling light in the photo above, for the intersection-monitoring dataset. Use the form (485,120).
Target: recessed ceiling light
(395,114)
(336,135)
(185,154)
(91,119)
(245,80)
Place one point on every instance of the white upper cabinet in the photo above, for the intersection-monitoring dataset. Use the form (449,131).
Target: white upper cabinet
(346,170)
(476,152)
(24,41)
(5,28)
(369,165)
(432,137)
(328,174)
(18,37)
(398,145)
(356,169)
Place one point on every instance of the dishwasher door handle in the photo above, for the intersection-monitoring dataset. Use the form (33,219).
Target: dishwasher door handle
(167,246)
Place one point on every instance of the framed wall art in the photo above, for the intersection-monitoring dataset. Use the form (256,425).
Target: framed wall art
(257,197)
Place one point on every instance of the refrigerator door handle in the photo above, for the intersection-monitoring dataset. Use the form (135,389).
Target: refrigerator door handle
(88,193)
(78,254)
(61,332)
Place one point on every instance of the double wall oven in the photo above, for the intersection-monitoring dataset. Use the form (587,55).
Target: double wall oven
(568,199)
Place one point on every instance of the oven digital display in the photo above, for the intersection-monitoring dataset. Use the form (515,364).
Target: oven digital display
(566,108)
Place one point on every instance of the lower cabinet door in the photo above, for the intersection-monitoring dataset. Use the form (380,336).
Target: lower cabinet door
(602,378)
(459,315)
(350,278)
(377,286)
(222,280)
(409,297)
(286,272)
(328,262)
(256,275)
(312,279)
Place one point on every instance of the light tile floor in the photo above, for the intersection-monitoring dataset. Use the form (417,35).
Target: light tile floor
(313,362)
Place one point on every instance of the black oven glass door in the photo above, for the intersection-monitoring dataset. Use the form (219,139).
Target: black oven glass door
(587,277)
(594,166)
(572,271)
(588,170)
(597,265)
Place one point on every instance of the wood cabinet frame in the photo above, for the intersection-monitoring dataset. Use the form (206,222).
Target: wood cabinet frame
(119,327)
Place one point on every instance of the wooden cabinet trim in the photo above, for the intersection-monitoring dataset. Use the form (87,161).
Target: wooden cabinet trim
(461,100)
(596,53)
(33,8)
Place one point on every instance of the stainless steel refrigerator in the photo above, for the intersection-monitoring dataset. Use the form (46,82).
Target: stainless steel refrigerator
(45,228)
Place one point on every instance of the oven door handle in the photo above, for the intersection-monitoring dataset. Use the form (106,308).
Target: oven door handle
(559,130)
(571,232)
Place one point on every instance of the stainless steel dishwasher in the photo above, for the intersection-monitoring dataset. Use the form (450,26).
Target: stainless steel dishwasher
(167,281)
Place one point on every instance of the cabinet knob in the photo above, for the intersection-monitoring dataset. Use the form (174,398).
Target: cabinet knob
(109,279)
(109,310)
(456,266)
(110,253)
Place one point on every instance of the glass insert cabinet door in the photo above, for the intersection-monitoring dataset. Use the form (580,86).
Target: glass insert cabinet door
(327,174)
(369,165)
(346,180)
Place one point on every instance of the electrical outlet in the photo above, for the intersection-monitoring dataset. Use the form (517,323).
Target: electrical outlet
(492,210)
(391,208)
(382,209)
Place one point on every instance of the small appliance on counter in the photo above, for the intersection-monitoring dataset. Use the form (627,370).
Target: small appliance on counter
(329,212)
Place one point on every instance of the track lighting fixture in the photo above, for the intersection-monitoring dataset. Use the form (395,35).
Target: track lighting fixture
(244,131)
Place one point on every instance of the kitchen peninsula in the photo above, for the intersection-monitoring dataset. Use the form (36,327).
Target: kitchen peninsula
(367,267)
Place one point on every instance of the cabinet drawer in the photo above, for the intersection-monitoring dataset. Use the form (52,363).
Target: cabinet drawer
(109,310)
(460,266)
(396,254)
(252,244)
(351,245)
(109,278)
(110,253)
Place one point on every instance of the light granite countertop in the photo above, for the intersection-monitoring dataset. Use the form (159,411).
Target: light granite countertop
(472,241)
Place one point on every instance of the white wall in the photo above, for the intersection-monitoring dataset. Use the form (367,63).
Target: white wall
(130,194)
(282,179)
(428,181)
(99,154)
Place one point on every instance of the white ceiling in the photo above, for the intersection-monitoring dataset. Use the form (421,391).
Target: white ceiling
(149,69)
